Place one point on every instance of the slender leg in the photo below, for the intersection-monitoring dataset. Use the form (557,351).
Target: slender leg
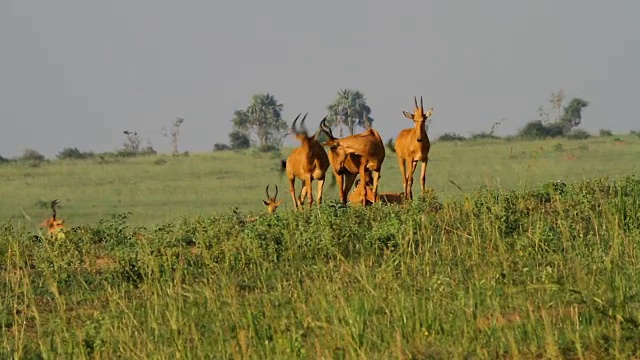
(413,165)
(320,186)
(292,190)
(376,180)
(403,170)
(339,183)
(349,179)
(363,183)
(309,189)
(423,175)
(303,194)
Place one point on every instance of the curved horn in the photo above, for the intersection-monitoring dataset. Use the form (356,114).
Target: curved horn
(421,106)
(53,208)
(267,191)
(293,125)
(326,129)
(276,195)
(415,101)
(302,122)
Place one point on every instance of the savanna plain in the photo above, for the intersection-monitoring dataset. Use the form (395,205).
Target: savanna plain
(519,249)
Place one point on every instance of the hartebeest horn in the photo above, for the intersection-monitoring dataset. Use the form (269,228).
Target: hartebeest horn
(421,106)
(276,195)
(304,128)
(53,208)
(415,101)
(326,129)
(267,191)
(293,125)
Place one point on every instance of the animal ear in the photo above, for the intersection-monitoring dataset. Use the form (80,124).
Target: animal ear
(278,202)
(266,203)
(407,115)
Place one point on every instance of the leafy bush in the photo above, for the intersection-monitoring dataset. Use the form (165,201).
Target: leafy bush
(483,135)
(3,159)
(221,147)
(578,134)
(537,130)
(558,147)
(239,140)
(605,132)
(451,136)
(74,153)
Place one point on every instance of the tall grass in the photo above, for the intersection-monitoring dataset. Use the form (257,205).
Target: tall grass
(548,272)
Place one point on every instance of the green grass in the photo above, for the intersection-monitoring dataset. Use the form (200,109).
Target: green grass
(156,189)
(550,270)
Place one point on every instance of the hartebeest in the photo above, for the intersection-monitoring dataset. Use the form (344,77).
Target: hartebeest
(385,198)
(307,162)
(271,203)
(346,172)
(412,146)
(53,225)
(364,151)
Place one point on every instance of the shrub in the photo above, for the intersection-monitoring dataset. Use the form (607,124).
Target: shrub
(558,147)
(30,155)
(3,159)
(239,140)
(537,130)
(221,147)
(483,135)
(578,134)
(451,136)
(605,132)
(74,153)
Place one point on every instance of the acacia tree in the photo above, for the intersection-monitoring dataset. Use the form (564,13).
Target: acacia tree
(175,132)
(349,109)
(262,118)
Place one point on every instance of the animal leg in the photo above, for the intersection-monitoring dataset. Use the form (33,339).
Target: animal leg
(320,186)
(413,165)
(303,194)
(363,183)
(292,190)
(403,170)
(423,175)
(309,191)
(349,179)
(376,180)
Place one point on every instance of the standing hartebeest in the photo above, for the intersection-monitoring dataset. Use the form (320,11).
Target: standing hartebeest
(346,172)
(365,148)
(307,162)
(53,225)
(413,145)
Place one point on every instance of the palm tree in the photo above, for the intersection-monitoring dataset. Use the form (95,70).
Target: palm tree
(264,116)
(350,109)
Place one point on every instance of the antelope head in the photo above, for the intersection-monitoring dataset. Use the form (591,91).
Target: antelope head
(419,118)
(302,134)
(271,204)
(339,154)
(53,224)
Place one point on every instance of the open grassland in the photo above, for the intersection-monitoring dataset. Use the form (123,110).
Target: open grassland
(159,188)
(549,270)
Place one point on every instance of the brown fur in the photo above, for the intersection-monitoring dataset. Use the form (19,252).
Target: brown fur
(385,198)
(52,224)
(412,146)
(307,162)
(361,154)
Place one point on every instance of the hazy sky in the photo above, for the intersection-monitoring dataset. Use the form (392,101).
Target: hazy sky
(78,73)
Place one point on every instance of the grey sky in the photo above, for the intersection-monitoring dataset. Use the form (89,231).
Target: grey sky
(78,73)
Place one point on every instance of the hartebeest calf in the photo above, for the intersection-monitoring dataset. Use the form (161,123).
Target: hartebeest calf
(412,146)
(385,198)
(53,225)
(307,162)
(364,151)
